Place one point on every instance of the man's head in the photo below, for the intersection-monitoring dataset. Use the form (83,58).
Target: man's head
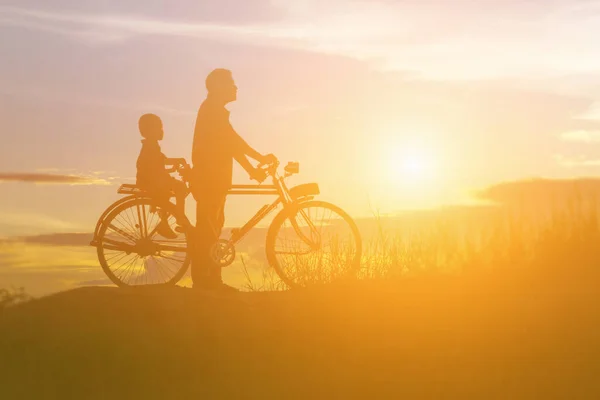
(220,85)
(151,127)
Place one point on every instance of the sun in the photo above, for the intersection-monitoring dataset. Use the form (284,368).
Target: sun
(410,164)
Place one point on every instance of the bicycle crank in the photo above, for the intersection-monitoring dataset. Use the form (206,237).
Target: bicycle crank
(223,253)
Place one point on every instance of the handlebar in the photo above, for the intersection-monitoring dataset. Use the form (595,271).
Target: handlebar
(291,168)
(269,169)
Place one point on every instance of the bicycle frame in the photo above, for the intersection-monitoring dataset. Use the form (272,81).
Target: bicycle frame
(278,188)
(238,233)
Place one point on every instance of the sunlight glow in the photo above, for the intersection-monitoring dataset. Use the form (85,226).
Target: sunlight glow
(410,164)
(406,171)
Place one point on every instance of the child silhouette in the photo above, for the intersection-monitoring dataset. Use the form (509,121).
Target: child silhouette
(152,174)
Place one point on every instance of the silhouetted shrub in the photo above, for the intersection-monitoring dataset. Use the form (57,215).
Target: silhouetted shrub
(9,297)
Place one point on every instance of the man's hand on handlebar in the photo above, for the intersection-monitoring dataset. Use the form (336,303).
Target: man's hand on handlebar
(268,159)
(258,174)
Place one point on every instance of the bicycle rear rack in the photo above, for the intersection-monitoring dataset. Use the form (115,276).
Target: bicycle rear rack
(127,188)
(131,189)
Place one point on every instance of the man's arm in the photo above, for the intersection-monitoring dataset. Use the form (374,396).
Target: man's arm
(255,173)
(244,148)
(243,161)
(240,146)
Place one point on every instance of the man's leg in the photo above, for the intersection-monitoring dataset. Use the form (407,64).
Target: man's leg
(216,271)
(209,223)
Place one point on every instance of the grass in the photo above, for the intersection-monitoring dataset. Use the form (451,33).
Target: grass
(503,241)
(501,308)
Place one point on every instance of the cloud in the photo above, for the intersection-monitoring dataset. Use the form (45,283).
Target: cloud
(576,162)
(542,192)
(55,96)
(591,114)
(109,27)
(16,223)
(222,11)
(52,178)
(57,239)
(583,136)
(461,40)
(44,269)
(96,282)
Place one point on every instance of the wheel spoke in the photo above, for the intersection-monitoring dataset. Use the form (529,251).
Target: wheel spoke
(164,247)
(318,244)
(140,211)
(122,232)
(118,246)
(298,253)
(128,252)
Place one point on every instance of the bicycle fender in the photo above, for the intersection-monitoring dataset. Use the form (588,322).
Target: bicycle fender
(304,190)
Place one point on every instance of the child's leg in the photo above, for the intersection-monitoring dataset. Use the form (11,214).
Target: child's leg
(162,212)
(161,193)
(180,190)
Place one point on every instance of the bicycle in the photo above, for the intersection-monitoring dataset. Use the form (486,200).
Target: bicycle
(126,234)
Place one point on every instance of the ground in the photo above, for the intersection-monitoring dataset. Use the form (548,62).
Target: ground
(429,337)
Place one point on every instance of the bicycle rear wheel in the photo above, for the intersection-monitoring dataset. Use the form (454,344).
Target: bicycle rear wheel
(132,252)
(314,242)
(107,211)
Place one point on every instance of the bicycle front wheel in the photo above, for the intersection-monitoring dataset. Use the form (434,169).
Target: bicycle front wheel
(131,250)
(314,242)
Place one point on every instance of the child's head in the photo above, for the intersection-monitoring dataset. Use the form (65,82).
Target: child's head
(151,127)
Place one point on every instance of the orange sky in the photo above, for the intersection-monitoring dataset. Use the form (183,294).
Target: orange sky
(388,105)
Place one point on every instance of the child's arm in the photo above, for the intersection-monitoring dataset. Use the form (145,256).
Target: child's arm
(174,161)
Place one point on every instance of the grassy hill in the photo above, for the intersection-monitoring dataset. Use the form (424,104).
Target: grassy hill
(463,303)
(485,336)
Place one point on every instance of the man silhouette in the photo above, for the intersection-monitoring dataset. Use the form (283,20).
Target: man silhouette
(216,144)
